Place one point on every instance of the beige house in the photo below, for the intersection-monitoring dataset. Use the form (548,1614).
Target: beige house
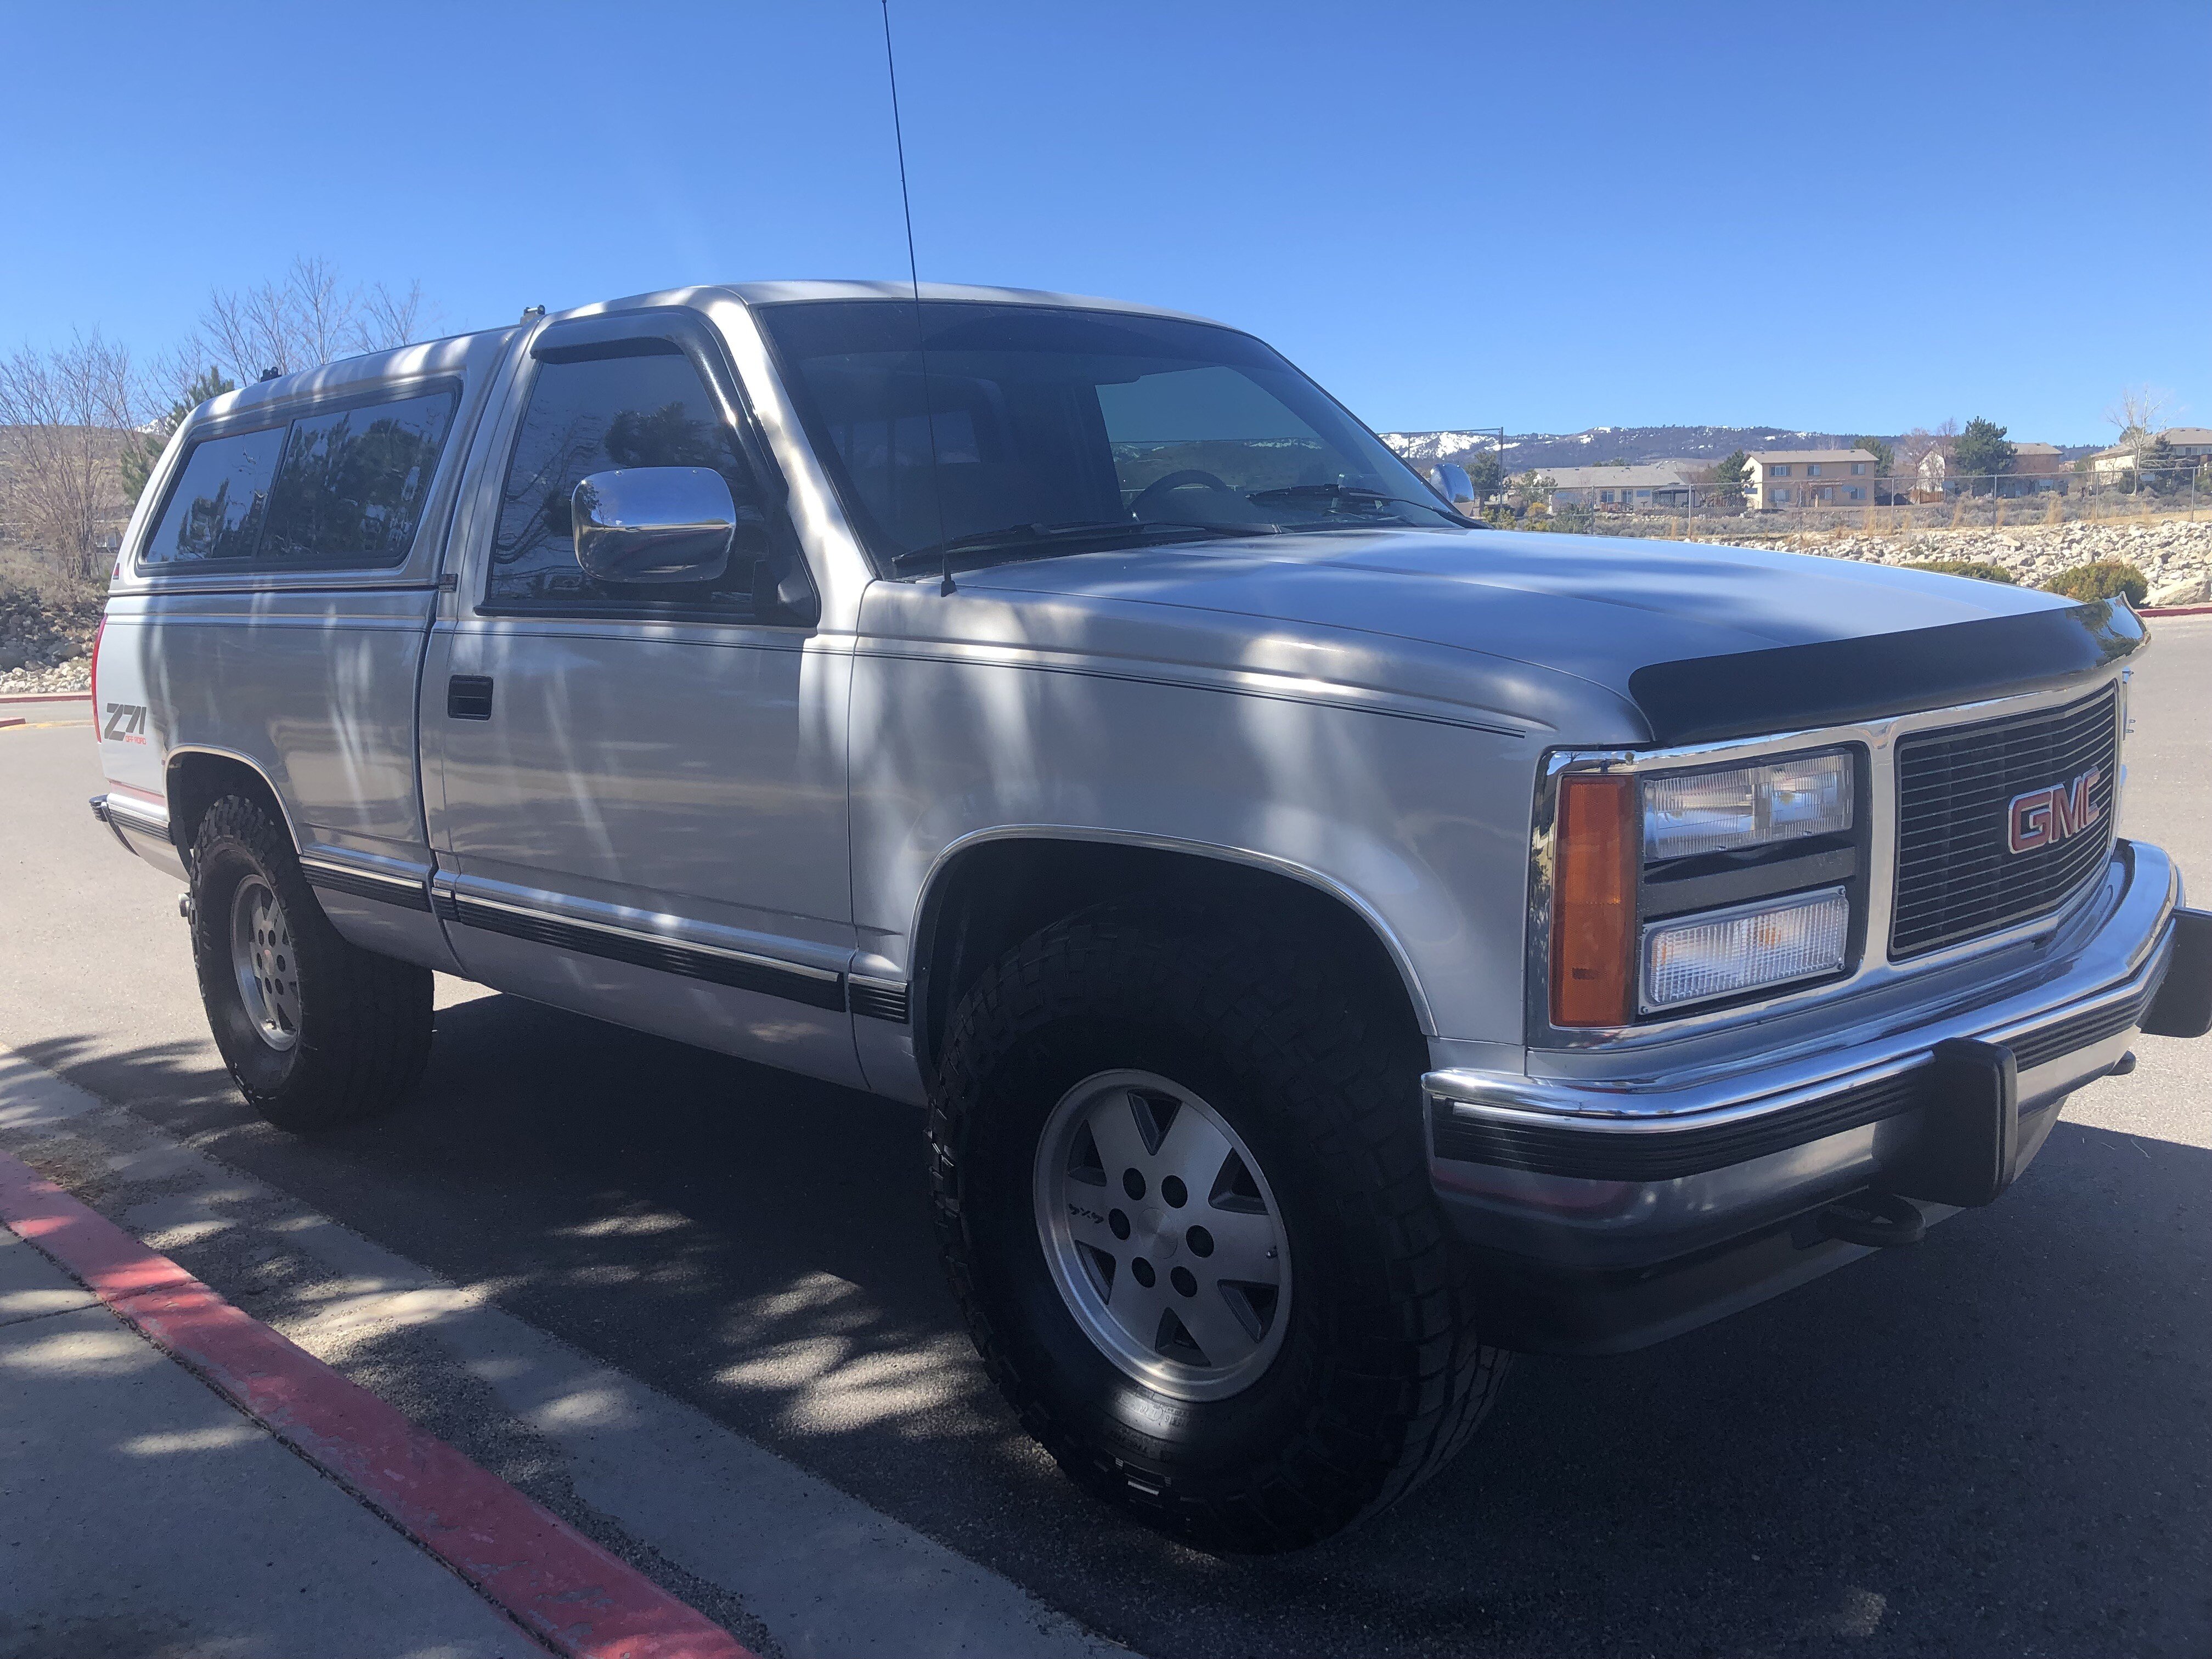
(2187,443)
(1618,486)
(1809,477)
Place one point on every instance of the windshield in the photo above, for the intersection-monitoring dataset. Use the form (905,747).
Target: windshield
(1060,430)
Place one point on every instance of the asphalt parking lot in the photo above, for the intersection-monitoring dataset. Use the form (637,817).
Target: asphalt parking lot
(1999,1442)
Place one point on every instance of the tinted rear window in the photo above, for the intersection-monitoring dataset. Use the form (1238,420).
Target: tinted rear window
(335,486)
(352,483)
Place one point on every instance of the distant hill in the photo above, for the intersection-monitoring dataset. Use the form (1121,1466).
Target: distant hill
(1637,445)
(1602,445)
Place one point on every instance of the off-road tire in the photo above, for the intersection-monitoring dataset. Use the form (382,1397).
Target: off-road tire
(1380,1378)
(364,1027)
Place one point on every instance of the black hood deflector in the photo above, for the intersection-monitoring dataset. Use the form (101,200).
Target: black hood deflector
(1835,682)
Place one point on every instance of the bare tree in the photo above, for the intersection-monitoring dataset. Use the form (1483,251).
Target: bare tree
(63,417)
(1911,469)
(388,320)
(307,318)
(2139,412)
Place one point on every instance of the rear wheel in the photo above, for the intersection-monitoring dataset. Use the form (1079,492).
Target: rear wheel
(315,1030)
(1184,1201)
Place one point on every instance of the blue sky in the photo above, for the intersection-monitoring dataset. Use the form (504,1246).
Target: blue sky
(1861,218)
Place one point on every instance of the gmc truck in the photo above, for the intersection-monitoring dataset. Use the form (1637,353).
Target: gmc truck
(1336,944)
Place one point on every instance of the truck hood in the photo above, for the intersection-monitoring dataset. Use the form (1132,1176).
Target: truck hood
(1662,625)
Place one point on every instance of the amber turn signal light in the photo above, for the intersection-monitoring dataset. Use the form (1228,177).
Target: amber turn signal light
(1593,901)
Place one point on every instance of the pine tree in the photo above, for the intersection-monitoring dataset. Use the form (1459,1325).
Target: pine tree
(1885,455)
(1980,450)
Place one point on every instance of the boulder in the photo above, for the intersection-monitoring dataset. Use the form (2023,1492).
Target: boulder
(2190,590)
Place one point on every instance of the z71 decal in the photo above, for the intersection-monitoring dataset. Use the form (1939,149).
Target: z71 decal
(126,723)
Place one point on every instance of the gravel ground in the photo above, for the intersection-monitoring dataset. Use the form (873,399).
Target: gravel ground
(2175,556)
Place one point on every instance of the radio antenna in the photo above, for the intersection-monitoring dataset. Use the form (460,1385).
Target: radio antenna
(921,341)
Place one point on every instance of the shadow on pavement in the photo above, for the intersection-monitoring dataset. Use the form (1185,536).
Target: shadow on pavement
(1995,1442)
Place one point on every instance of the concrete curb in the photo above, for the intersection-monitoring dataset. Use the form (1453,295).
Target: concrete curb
(558,1585)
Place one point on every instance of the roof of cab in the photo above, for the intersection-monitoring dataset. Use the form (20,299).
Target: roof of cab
(763,294)
(782,292)
(451,354)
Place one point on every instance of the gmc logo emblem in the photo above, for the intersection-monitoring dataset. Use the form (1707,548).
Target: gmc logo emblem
(2046,816)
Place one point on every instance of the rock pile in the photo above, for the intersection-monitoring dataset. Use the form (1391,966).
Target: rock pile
(65,676)
(2175,556)
(43,647)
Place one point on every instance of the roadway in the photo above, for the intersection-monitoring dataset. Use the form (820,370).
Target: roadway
(1998,1441)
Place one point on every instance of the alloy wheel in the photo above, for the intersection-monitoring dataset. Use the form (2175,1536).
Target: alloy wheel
(1162,1235)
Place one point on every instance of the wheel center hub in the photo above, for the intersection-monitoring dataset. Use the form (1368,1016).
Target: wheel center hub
(1163,1238)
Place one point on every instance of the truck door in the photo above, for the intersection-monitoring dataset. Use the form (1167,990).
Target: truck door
(640,806)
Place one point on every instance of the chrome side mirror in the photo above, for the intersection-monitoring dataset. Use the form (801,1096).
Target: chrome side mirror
(1452,482)
(654,523)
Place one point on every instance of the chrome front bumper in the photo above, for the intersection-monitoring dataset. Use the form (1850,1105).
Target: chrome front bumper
(1622,1176)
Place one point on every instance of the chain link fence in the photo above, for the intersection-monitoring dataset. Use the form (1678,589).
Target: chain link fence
(1892,505)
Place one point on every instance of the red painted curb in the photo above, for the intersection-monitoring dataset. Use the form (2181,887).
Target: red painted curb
(2176,610)
(45,697)
(557,1584)
(13,719)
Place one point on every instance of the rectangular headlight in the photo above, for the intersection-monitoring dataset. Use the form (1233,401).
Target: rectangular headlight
(1720,953)
(1747,805)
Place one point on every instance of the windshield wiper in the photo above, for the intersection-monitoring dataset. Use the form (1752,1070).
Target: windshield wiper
(1018,535)
(1295,494)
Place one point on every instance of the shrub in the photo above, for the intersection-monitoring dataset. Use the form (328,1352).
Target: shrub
(1980,569)
(2101,578)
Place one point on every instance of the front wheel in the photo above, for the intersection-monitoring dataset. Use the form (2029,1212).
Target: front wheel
(314,1030)
(1183,1197)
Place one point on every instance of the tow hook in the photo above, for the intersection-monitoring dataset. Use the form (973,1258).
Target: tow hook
(1875,1220)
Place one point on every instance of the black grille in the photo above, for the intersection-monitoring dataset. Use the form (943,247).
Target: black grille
(1956,878)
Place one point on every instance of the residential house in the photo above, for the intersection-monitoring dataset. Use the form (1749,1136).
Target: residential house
(1619,488)
(1928,476)
(2186,443)
(1809,477)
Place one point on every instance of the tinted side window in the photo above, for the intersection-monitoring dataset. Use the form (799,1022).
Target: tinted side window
(352,483)
(217,509)
(595,417)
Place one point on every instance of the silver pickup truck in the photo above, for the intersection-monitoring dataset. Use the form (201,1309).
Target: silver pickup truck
(1337,943)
